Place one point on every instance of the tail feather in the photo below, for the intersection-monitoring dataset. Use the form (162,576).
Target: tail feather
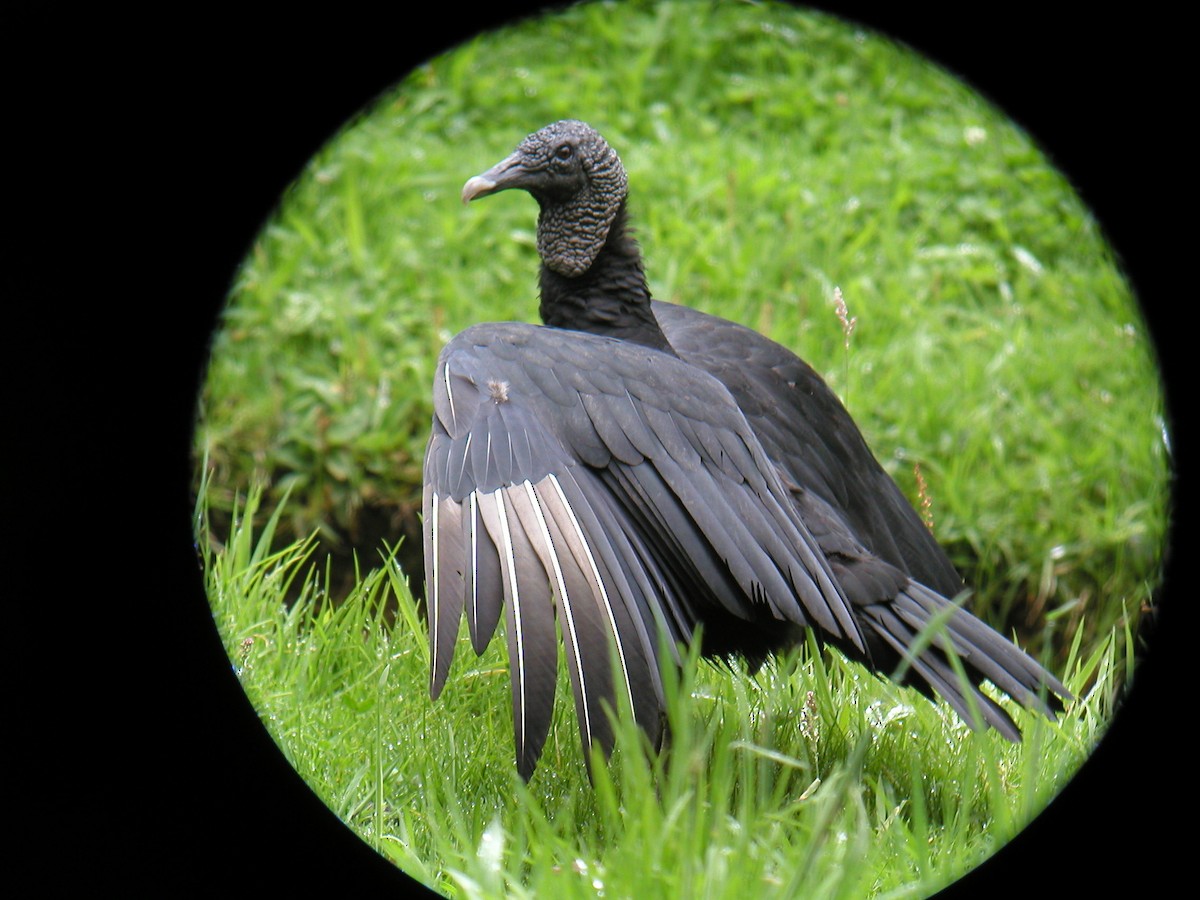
(937,675)
(986,651)
(924,630)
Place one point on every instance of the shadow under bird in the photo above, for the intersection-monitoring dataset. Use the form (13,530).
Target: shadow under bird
(635,468)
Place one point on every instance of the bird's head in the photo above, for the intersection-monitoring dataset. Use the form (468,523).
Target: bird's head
(579,183)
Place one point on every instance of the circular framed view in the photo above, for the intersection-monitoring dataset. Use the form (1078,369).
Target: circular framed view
(760,485)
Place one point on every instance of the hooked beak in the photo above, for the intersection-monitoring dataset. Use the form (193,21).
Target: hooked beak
(504,175)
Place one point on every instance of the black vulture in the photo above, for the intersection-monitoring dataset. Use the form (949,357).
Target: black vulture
(634,468)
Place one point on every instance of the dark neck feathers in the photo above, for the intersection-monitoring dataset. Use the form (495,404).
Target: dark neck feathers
(609,298)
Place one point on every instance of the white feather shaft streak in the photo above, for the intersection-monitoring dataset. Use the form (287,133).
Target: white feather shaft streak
(509,568)
(450,398)
(473,511)
(550,556)
(434,589)
(446,552)
(486,584)
(597,582)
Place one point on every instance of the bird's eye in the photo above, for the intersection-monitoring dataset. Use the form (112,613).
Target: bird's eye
(564,152)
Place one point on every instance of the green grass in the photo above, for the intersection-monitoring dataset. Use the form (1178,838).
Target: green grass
(773,156)
(811,774)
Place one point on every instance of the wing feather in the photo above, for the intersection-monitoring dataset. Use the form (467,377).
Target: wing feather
(532,644)
(603,495)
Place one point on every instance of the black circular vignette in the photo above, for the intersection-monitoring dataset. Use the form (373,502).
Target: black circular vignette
(1095,95)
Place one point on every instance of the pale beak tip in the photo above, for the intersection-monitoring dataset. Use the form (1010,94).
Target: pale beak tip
(476,187)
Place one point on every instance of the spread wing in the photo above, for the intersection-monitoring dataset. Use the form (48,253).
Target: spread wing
(605,492)
(806,430)
(895,575)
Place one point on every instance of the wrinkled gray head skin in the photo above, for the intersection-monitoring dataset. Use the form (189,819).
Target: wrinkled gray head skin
(579,183)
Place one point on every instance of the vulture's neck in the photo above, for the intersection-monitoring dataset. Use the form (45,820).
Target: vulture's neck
(611,298)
